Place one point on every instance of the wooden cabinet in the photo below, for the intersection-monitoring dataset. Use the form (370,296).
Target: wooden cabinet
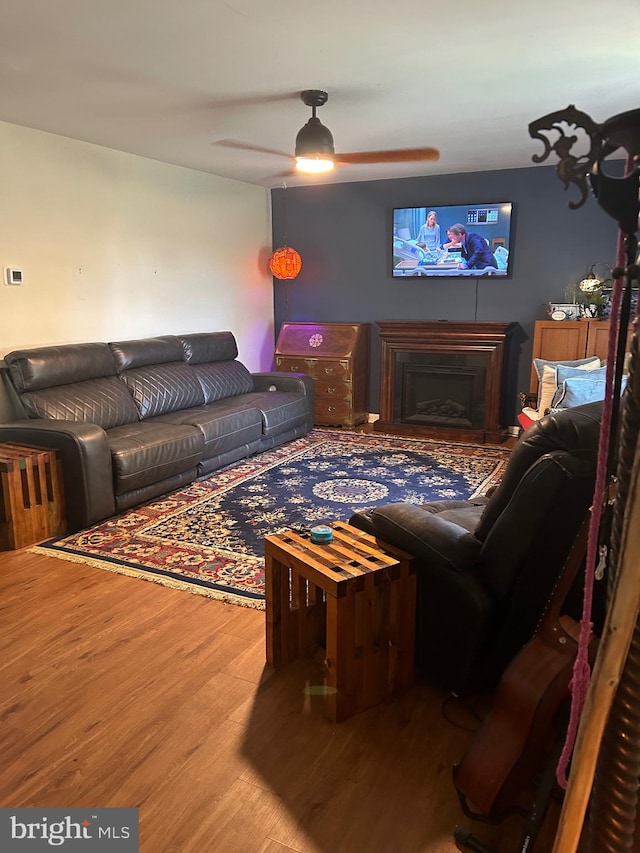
(336,355)
(569,340)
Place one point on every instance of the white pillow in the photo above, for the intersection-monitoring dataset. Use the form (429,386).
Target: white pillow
(549,382)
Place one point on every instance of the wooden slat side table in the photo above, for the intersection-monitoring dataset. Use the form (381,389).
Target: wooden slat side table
(32,500)
(356,599)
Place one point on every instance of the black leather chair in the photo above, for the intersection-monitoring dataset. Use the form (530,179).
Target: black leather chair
(486,567)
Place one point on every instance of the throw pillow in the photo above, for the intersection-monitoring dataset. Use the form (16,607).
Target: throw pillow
(563,373)
(546,371)
(578,391)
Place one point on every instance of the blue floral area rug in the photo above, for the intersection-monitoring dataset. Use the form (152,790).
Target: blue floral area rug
(209,537)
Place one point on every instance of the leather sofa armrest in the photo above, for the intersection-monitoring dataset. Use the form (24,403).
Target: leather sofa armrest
(83,450)
(440,543)
(284,382)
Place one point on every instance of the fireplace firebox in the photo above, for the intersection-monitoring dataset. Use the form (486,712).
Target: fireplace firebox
(443,379)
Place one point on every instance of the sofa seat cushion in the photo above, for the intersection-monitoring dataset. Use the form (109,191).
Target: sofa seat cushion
(281,410)
(225,425)
(145,453)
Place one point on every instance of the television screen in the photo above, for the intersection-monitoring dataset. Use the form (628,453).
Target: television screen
(453,240)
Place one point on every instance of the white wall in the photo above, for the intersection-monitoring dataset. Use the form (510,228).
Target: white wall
(114,246)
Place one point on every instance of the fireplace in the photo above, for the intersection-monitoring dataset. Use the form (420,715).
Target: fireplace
(443,379)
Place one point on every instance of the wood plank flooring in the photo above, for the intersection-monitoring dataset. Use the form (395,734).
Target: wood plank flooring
(119,692)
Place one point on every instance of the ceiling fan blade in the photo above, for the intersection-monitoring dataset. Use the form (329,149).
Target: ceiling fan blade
(246,146)
(402,155)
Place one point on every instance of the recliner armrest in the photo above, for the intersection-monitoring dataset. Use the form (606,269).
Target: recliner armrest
(299,382)
(83,450)
(440,543)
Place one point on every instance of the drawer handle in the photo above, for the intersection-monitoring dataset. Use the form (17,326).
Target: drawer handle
(294,368)
(328,370)
(331,408)
(331,390)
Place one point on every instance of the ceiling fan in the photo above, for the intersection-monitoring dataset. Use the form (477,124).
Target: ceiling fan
(315,152)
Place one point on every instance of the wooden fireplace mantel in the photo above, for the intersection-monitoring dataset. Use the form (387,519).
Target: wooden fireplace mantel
(432,337)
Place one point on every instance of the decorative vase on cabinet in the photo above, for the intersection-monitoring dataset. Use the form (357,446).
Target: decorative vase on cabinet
(336,356)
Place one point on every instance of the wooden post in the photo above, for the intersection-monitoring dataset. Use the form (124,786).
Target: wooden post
(618,630)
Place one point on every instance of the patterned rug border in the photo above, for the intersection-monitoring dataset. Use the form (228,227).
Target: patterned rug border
(147,573)
(274,457)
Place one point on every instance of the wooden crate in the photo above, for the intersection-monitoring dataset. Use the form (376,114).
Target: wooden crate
(32,506)
(352,604)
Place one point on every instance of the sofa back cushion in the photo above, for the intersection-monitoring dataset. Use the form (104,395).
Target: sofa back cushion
(105,402)
(223,379)
(74,382)
(156,375)
(45,367)
(212,356)
(163,388)
(203,347)
(145,352)
(574,431)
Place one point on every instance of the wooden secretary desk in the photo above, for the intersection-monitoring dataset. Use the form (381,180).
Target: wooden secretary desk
(336,356)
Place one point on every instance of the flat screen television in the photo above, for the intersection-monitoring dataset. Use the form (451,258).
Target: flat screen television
(455,240)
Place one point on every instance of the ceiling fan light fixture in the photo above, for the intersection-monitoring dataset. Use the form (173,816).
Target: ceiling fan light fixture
(314,139)
(314,165)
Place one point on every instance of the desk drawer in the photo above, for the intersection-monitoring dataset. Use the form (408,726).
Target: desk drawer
(318,368)
(333,412)
(333,390)
(331,369)
(293,364)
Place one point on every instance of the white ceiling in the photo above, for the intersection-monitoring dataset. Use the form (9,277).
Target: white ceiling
(169,79)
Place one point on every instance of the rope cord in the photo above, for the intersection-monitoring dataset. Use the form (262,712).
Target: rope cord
(581,670)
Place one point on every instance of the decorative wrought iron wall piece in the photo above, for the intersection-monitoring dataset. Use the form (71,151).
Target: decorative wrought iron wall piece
(582,146)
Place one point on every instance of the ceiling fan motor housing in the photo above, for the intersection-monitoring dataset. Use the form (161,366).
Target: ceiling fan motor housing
(314,139)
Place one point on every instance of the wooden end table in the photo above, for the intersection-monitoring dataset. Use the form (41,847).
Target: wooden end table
(356,599)
(31,496)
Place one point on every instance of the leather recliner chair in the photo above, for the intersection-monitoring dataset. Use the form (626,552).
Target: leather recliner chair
(486,567)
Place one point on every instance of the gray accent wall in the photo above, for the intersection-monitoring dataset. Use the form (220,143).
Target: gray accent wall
(343,233)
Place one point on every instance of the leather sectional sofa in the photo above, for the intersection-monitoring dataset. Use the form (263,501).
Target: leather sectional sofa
(132,420)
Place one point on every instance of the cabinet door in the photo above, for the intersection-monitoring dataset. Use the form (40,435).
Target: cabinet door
(598,341)
(558,340)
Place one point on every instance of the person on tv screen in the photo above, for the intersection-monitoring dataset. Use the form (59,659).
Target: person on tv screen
(429,233)
(475,249)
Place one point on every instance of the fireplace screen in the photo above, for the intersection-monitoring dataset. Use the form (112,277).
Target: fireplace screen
(440,389)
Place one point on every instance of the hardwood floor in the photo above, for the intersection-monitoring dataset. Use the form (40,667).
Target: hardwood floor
(119,692)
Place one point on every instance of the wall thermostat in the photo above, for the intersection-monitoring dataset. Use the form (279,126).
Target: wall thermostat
(12,276)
